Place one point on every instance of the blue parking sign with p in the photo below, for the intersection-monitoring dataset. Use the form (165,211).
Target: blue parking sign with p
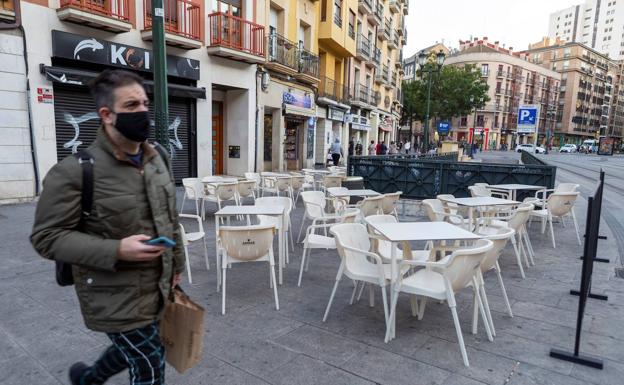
(527,119)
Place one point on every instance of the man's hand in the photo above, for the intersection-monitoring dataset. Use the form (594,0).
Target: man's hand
(132,248)
(177,278)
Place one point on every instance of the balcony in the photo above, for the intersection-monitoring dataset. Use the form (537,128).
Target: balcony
(393,41)
(375,61)
(282,55)
(362,97)
(394,78)
(235,38)
(379,79)
(338,20)
(7,11)
(394,6)
(403,37)
(183,23)
(330,89)
(113,16)
(366,7)
(376,17)
(308,66)
(405,7)
(383,32)
(386,74)
(363,48)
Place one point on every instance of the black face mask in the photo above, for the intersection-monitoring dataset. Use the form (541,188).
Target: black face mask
(133,125)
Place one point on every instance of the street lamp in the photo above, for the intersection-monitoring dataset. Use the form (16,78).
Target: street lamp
(422,60)
(550,115)
(474,126)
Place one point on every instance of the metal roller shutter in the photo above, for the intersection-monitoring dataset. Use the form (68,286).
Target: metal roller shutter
(77,124)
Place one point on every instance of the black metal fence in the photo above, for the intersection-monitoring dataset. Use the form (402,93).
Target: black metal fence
(427,176)
(528,158)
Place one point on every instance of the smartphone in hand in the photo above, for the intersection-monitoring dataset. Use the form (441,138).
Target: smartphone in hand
(161,241)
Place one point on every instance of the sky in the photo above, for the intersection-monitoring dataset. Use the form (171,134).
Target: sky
(515,23)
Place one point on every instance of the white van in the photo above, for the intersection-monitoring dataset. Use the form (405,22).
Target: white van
(590,145)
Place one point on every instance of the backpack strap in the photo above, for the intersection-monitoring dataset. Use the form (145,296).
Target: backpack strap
(86,162)
(165,157)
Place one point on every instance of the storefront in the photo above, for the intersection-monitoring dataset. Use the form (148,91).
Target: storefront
(78,59)
(481,137)
(359,128)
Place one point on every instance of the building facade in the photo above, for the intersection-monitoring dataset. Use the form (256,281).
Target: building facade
(589,102)
(512,82)
(597,24)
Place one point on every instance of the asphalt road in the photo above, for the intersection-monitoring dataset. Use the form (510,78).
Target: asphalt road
(584,169)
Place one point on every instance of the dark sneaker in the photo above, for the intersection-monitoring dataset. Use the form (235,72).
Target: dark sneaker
(76,371)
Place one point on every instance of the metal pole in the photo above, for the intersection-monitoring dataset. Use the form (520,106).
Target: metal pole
(474,131)
(426,128)
(161,105)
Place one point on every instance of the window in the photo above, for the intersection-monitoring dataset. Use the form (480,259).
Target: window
(324,10)
(231,7)
(464,121)
(351,24)
(338,12)
(485,70)
(480,120)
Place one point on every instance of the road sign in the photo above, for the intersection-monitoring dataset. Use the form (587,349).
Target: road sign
(444,128)
(527,119)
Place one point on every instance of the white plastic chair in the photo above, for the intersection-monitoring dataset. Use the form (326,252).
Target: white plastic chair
(223,192)
(266,220)
(193,237)
(315,204)
(517,220)
(256,178)
(193,190)
(437,212)
(558,205)
(371,206)
(539,200)
(441,280)
(499,237)
(332,181)
(320,241)
(298,184)
(384,247)
(247,244)
(388,204)
(278,185)
(245,189)
(358,263)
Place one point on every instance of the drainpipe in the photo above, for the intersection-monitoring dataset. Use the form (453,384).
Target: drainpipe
(256,152)
(18,24)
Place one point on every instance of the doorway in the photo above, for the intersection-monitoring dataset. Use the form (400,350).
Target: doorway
(217,138)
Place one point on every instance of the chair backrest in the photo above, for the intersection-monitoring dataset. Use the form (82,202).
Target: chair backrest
(464,262)
(314,202)
(226,191)
(246,243)
(499,239)
(371,205)
(193,187)
(479,190)
(566,187)
(246,188)
(349,215)
(450,208)
(520,215)
(283,183)
(254,176)
(297,182)
(388,202)
(353,235)
(384,248)
(559,204)
(185,241)
(332,181)
(432,208)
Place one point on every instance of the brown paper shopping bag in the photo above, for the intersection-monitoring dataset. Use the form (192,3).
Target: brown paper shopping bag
(182,331)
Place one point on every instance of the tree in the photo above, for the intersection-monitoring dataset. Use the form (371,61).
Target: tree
(455,91)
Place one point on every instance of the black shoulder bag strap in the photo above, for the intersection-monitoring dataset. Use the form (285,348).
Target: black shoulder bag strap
(64,275)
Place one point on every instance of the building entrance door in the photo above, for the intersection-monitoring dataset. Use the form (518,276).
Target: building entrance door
(217,138)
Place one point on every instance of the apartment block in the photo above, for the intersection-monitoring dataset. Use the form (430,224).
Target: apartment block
(598,24)
(590,103)
(512,82)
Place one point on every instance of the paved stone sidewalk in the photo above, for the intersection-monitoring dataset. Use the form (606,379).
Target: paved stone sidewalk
(42,333)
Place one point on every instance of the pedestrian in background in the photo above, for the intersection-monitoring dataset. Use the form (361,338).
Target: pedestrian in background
(372,149)
(336,152)
(408,146)
(384,148)
(378,148)
(393,149)
(358,148)
(121,282)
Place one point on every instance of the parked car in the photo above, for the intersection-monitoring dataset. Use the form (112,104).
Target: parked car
(569,148)
(530,148)
(589,146)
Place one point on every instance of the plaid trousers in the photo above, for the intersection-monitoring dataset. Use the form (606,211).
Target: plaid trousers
(139,350)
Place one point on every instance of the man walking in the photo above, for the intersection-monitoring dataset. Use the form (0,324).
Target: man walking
(407,147)
(336,152)
(384,148)
(121,282)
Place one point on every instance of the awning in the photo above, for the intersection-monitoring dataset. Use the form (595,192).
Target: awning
(385,128)
(82,78)
(301,111)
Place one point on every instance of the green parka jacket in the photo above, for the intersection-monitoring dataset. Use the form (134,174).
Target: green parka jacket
(114,295)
